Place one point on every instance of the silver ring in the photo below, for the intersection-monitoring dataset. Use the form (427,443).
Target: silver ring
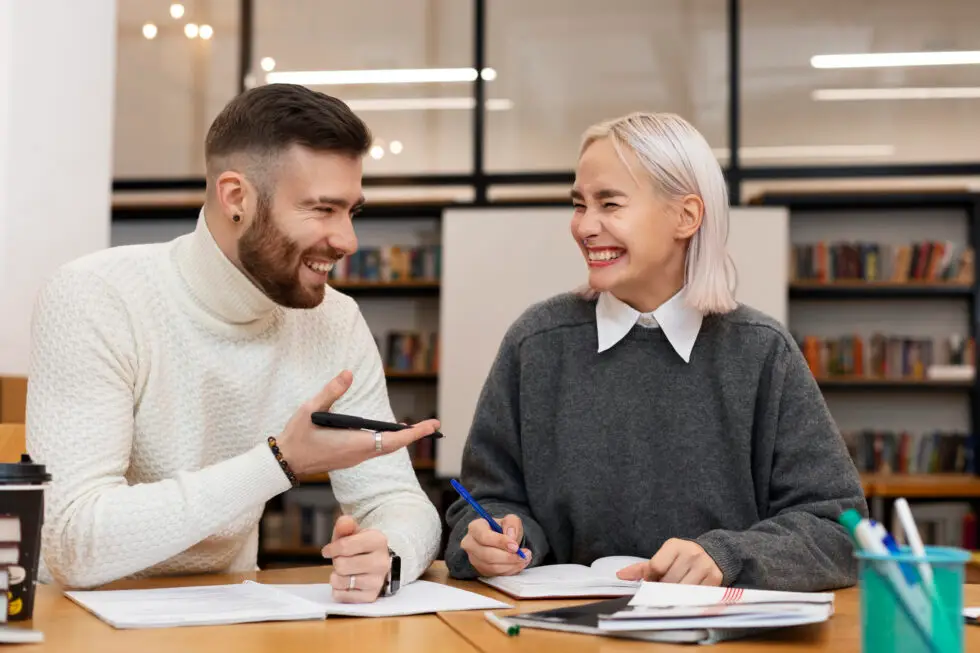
(351,582)
(378,445)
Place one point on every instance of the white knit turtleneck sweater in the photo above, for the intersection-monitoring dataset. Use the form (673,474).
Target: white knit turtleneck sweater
(157,373)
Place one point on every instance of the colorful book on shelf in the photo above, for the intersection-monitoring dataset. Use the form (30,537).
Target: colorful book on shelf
(884,356)
(390,264)
(885,451)
(410,351)
(935,261)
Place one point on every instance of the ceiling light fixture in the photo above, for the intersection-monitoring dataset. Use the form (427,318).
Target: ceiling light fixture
(191,30)
(377,152)
(808,151)
(905,93)
(268,64)
(149,31)
(206,32)
(393,76)
(395,147)
(176,10)
(894,59)
(426,103)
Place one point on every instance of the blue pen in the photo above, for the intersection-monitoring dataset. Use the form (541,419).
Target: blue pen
(480,511)
(911,576)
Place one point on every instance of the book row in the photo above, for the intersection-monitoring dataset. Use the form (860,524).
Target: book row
(390,263)
(917,261)
(883,356)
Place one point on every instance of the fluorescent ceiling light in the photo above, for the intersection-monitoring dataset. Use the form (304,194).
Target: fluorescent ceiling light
(892,59)
(808,151)
(908,93)
(394,76)
(425,103)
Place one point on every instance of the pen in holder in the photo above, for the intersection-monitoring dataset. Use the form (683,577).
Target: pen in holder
(912,617)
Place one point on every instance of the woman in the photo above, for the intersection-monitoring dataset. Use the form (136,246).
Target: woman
(651,415)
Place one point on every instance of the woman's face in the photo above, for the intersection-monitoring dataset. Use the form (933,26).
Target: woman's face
(632,239)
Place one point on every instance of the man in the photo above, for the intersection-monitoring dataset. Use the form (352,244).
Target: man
(159,372)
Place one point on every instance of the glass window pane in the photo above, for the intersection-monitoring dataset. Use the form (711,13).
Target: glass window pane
(562,66)
(420,127)
(795,113)
(169,87)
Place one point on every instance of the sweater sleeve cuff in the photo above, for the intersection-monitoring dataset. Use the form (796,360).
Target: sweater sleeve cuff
(719,546)
(263,476)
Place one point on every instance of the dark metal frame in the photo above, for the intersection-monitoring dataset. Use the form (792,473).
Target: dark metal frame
(480,180)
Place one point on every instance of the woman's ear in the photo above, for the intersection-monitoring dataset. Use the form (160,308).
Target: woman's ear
(691,214)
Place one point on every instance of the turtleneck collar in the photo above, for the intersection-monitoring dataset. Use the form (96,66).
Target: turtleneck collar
(218,287)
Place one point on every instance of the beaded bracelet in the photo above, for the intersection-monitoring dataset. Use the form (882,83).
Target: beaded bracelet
(282,462)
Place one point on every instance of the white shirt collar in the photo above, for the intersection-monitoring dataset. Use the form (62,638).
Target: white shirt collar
(681,323)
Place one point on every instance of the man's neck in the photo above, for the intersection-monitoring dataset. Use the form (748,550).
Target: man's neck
(222,231)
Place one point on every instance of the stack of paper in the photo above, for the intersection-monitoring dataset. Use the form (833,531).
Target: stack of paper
(687,613)
(563,581)
(252,602)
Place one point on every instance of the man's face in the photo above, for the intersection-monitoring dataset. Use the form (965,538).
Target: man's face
(303,226)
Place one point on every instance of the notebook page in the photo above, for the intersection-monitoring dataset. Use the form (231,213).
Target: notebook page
(669,594)
(552,574)
(420,597)
(972,613)
(609,565)
(194,606)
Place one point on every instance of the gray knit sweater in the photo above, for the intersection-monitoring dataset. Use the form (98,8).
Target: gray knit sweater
(614,453)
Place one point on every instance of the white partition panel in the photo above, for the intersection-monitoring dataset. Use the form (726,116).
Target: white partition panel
(497,262)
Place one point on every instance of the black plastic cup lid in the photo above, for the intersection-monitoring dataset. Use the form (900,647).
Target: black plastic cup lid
(26,471)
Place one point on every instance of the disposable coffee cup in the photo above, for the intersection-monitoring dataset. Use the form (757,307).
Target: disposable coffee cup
(22,488)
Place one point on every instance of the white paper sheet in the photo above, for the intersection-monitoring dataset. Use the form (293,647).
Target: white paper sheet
(420,597)
(656,595)
(195,606)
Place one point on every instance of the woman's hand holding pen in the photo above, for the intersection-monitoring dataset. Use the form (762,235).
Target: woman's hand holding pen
(310,449)
(677,561)
(495,554)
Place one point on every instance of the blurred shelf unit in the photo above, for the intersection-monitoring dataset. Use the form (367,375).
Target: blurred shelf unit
(828,266)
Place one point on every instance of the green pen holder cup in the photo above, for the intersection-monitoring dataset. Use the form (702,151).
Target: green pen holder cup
(887,626)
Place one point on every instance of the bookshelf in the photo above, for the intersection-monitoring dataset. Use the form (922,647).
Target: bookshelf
(875,384)
(878,290)
(916,296)
(406,376)
(404,288)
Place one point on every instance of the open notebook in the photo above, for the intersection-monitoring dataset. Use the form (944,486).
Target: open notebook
(563,581)
(251,602)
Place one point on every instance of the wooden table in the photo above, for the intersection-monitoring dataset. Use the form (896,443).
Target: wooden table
(70,629)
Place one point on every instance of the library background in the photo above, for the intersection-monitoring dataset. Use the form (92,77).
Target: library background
(479,104)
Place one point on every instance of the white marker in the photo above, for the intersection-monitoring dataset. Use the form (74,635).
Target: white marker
(915,542)
(501,625)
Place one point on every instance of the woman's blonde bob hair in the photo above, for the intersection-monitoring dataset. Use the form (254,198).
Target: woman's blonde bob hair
(680,162)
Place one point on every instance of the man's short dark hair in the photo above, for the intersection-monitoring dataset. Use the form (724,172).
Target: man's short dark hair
(264,121)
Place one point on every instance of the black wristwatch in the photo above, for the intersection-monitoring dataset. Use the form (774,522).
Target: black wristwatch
(394,579)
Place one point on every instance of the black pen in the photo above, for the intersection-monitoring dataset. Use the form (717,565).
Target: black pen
(340,421)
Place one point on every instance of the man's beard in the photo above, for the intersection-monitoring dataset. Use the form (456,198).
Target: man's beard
(273,261)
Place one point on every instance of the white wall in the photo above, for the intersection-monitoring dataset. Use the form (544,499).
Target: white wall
(758,242)
(499,261)
(56,91)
